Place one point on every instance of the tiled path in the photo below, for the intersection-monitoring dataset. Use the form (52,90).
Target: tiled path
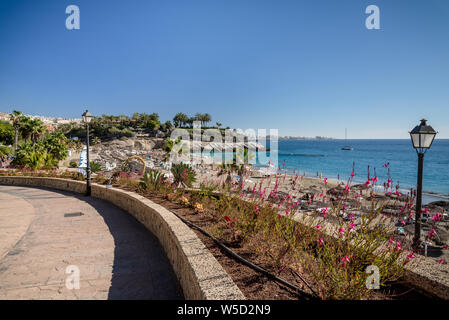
(42,232)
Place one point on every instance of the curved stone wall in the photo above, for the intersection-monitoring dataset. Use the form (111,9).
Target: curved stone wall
(199,273)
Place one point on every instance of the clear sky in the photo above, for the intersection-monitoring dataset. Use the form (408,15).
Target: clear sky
(305,67)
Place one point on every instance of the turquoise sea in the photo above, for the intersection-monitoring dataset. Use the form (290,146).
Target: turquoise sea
(326,157)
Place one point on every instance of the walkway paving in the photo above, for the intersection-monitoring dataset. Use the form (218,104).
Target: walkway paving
(43,232)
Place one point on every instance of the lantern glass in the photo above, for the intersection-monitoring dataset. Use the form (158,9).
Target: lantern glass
(427,139)
(415,140)
(87,117)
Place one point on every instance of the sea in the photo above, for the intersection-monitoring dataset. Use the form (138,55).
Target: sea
(394,158)
(387,158)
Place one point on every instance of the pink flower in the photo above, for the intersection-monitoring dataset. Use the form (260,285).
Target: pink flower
(410,255)
(432,233)
(343,207)
(398,246)
(341,231)
(442,261)
(318,227)
(325,180)
(324,210)
(437,217)
(403,222)
(345,260)
(351,226)
(391,241)
(321,194)
(320,242)
(352,174)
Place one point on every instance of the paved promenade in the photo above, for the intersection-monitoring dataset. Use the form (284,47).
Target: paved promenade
(42,232)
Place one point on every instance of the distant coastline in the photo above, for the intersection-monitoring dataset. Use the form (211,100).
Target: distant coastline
(305,138)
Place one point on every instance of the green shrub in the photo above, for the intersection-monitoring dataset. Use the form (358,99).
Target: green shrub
(152,180)
(73,164)
(183,175)
(95,166)
(5,151)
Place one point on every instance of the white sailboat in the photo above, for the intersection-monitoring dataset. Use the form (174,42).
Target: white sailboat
(346,147)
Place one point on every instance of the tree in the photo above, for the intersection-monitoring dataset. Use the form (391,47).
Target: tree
(25,127)
(206,119)
(15,118)
(168,125)
(189,121)
(6,133)
(37,129)
(57,145)
(43,154)
(152,125)
(199,117)
(218,124)
(180,119)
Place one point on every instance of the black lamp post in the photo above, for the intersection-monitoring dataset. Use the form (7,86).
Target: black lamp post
(422,137)
(87,117)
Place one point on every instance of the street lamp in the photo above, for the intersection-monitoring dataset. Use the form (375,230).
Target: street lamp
(87,117)
(422,137)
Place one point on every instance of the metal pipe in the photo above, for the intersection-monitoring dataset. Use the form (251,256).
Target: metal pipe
(306,295)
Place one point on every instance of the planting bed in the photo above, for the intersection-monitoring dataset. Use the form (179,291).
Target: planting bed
(253,284)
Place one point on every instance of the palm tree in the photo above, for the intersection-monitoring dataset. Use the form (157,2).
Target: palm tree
(37,129)
(206,119)
(180,119)
(25,127)
(15,118)
(199,117)
(189,122)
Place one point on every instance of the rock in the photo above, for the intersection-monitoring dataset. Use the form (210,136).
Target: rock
(145,145)
(439,204)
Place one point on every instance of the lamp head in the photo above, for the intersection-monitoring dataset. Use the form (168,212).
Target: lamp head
(422,136)
(87,116)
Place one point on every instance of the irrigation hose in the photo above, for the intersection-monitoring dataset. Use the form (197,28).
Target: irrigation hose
(299,291)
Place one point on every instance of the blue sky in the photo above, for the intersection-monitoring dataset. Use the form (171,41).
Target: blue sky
(305,67)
